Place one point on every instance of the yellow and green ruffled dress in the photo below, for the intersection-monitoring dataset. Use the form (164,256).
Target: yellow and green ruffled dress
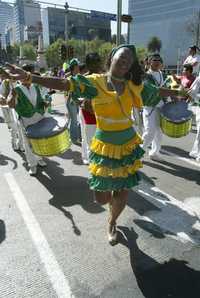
(115,148)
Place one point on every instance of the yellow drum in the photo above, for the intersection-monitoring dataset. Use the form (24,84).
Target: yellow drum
(49,136)
(175,119)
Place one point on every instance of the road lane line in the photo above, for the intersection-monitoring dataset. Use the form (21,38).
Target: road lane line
(188,160)
(57,277)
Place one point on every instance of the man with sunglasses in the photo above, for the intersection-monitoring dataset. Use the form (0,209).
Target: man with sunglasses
(152,134)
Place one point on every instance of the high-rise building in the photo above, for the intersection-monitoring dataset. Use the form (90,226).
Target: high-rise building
(80,25)
(167,20)
(6,16)
(27,20)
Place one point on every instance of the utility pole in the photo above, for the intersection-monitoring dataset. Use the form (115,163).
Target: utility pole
(198,29)
(119,14)
(0,49)
(66,20)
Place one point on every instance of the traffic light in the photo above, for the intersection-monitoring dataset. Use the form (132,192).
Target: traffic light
(63,52)
(126,18)
(70,52)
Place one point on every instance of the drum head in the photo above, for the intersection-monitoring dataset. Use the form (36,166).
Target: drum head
(176,112)
(47,127)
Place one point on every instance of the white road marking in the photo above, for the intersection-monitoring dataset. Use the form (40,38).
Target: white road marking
(188,160)
(57,277)
(174,216)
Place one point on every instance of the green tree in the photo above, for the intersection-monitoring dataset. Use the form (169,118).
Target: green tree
(52,54)
(141,53)
(29,52)
(154,44)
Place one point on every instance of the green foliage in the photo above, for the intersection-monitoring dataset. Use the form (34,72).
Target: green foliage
(29,52)
(52,54)
(154,44)
(81,48)
(141,53)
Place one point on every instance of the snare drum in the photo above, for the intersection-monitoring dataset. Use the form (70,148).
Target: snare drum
(175,119)
(49,136)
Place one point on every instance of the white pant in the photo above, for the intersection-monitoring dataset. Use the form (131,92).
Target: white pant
(195,152)
(87,133)
(31,158)
(12,121)
(152,134)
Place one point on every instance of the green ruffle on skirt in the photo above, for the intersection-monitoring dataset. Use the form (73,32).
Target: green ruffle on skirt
(113,163)
(99,183)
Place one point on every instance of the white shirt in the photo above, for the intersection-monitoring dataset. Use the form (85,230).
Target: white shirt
(157,75)
(192,60)
(195,89)
(31,95)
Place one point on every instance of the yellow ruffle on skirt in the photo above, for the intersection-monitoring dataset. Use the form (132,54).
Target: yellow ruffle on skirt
(115,151)
(121,172)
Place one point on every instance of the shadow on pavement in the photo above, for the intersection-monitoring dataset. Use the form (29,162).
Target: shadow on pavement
(2,231)
(175,150)
(75,156)
(5,159)
(172,279)
(175,170)
(67,191)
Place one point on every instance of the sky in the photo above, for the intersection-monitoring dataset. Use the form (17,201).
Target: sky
(109,6)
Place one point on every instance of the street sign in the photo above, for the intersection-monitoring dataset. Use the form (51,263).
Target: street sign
(103,15)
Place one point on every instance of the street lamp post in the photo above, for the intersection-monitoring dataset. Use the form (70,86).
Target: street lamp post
(119,13)
(66,20)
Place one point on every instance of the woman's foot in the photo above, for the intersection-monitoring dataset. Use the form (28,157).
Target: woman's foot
(112,234)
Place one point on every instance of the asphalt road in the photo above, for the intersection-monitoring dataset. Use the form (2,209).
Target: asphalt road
(53,236)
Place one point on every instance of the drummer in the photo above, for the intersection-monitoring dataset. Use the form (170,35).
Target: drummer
(152,134)
(30,106)
(194,94)
(10,115)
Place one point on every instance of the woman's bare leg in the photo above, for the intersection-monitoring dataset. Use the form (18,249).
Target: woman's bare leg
(103,197)
(117,205)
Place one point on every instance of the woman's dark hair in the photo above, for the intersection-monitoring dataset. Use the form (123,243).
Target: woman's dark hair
(188,67)
(194,48)
(135,73)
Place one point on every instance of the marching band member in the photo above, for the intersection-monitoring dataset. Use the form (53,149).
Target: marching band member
(194,93)
(26,99)
(152,134)
(10,115)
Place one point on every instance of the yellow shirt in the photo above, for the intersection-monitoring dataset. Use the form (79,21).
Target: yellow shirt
(110,114)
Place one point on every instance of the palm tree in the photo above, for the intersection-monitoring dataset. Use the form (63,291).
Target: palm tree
(154,44)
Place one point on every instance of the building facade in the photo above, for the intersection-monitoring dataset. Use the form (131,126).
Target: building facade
(27,19)
(6,17)
(167,20)
(80,25)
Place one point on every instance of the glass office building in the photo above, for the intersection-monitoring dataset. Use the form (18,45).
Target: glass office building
(6,17)
(80,25)
(168,20)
